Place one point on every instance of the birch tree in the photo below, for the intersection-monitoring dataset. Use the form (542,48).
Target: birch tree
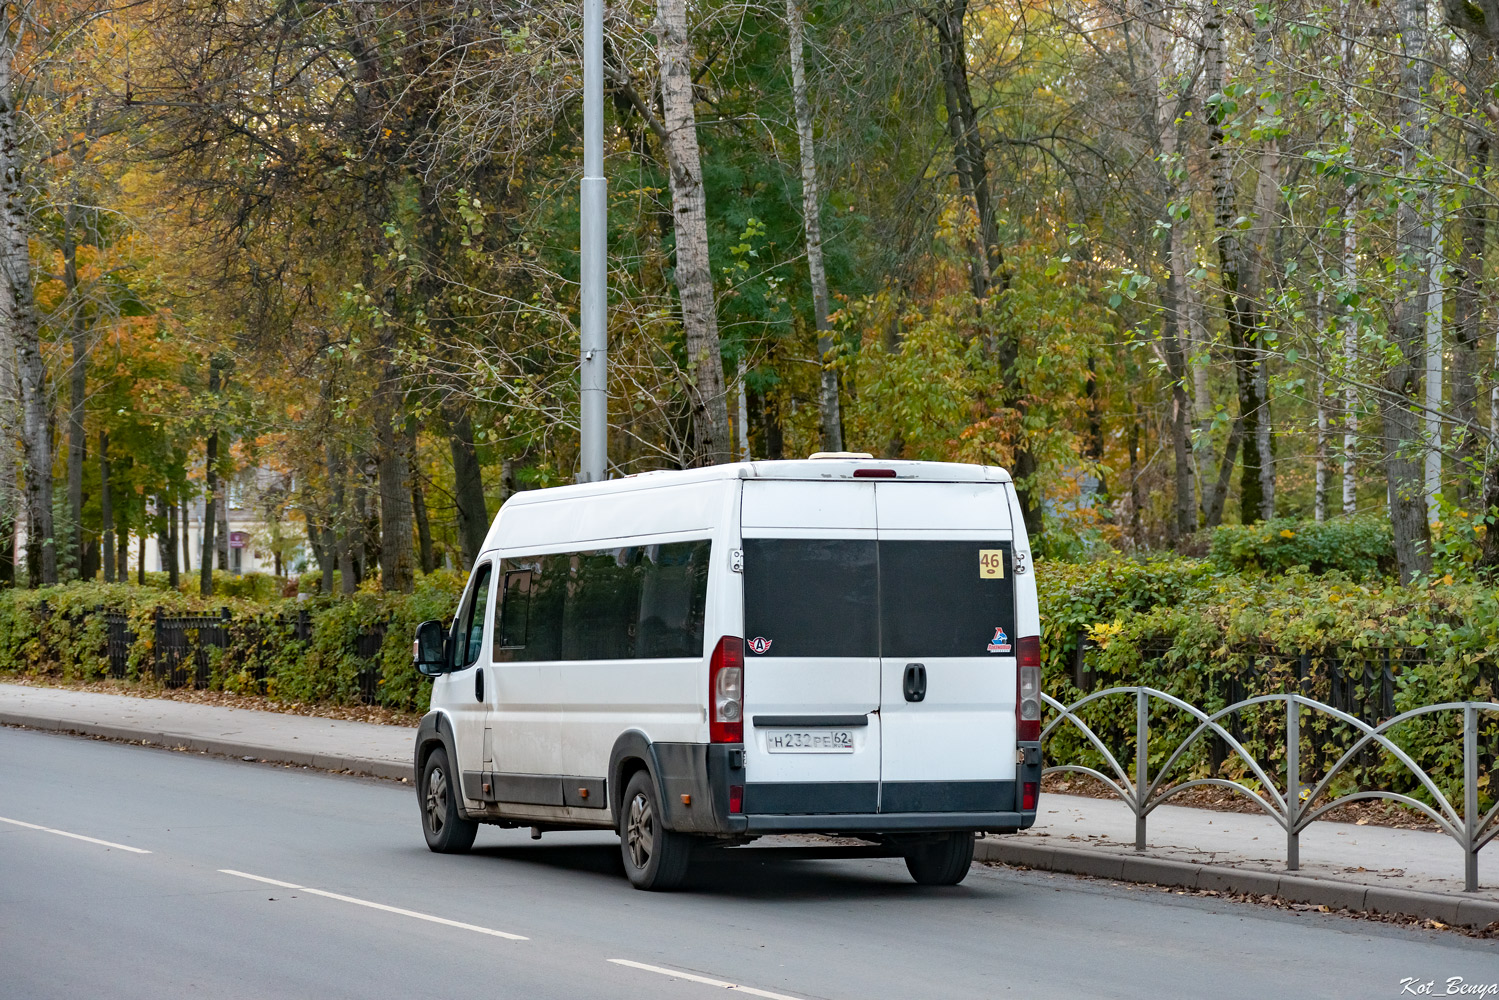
(832,423)
(708,393)
(18,309)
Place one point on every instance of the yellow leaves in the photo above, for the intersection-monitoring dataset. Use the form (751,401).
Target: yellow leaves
(1103,633)
(1287,533)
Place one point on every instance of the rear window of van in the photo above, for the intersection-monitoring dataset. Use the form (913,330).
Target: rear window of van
(865,598)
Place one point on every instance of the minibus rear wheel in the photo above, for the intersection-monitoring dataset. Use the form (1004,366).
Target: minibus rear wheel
(446,831)
(655,858)
(944,860)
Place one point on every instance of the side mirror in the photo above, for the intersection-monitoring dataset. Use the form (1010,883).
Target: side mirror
(429,652)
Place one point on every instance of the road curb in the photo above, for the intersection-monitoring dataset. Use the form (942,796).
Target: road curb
(228,747)
(1448,909)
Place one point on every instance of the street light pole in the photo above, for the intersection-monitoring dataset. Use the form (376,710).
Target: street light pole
(593,202)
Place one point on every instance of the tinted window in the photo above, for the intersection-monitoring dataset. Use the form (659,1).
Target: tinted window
(603,598)
(946,598)
(515,610)
(604,604)
(468,627)
(673,599)
(811,597)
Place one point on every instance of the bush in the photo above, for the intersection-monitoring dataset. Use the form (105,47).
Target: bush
(1360,547)
(1185,627)
(60,632)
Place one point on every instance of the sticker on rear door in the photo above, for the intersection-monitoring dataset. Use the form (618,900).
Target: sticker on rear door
(759,644)
(991,564)
(1000,643)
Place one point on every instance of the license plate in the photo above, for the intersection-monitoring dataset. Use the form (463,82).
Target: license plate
(810,741)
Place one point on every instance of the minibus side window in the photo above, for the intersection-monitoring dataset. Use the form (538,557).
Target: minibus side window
(531,602)
(469,633)
(673,599)
(633,602)
(515,612)
(598,620)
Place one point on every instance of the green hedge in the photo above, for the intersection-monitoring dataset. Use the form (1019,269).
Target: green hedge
(1361,547)
(58,632)
(1188,628)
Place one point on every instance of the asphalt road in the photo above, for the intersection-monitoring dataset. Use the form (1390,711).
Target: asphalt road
(271,882)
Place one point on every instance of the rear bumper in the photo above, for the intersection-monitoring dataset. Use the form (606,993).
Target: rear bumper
(763,823)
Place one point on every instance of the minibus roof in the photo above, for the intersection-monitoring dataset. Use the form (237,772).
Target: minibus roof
(807,469)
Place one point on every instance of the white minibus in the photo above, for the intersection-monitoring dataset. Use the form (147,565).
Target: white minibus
(838,645)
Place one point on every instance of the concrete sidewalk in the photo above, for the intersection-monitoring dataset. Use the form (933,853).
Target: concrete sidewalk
(1343,865)
(330,744)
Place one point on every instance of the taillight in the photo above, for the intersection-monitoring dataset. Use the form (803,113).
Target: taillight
(1028,689)
(726,691)
(1028,796)
(874,473)
(736,798)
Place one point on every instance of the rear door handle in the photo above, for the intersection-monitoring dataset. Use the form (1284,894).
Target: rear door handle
(914,682)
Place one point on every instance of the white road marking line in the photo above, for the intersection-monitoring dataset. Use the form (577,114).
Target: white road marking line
(76,836)
(677,974)
(379,906)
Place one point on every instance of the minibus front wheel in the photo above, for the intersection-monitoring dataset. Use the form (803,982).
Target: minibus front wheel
(655,858)
(446,831)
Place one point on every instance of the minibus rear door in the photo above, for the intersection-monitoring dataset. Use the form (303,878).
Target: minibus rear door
(947,623)
(812,667)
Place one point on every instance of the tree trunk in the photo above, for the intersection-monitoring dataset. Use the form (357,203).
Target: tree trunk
(1350,319)
(221,533)
(211,491)
(419,503)
(11,490)
(335,538)
(1401,383)
(989,276)
(210,515)
(1160,112)
(1136,521)
(106,511)
(18,314)
(140,558)
(1266,218)
(1240,307)
(1466,328)
(174,577)
(770,426)
(828,402)
(397,565)
(1433,411)
(707,393)
(187,548)
(77,386)
(468,488)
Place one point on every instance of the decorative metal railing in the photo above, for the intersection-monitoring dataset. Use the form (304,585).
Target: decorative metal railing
(1297,803)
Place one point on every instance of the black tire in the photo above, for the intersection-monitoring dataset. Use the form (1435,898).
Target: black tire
(446,831)
(942,861)
(655,858)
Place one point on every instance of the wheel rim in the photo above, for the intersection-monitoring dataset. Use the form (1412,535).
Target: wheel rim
(640,831)
(437,799)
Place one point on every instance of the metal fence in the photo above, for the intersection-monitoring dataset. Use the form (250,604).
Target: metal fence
(183,651)
(118,639)
(367,647)
(183,647)
(1299,800)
